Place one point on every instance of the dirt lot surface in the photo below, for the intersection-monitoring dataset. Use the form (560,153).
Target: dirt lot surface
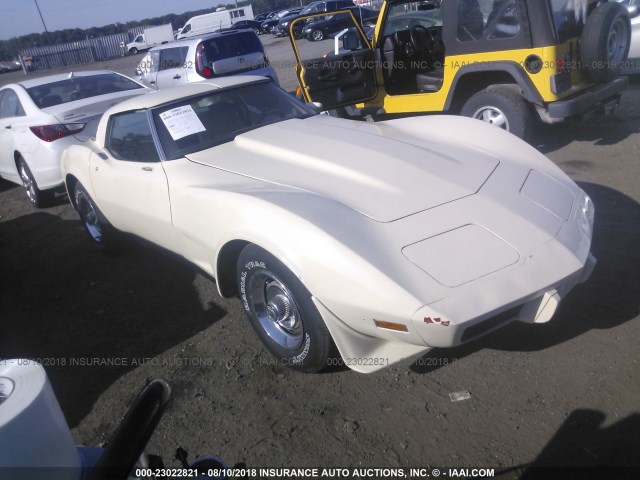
(560,394)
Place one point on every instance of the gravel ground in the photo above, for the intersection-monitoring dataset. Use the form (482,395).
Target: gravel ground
(560,394)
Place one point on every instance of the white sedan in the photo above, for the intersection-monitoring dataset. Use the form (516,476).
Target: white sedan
(381,239)
(40,118)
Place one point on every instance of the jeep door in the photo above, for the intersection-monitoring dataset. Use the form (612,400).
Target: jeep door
(339,70)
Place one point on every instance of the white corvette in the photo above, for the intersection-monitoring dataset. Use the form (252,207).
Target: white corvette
(381,239)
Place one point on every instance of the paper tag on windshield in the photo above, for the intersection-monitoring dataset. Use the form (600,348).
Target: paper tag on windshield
(182,122)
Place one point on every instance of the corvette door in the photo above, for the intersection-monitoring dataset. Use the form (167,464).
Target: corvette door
(130,183)
(338,70)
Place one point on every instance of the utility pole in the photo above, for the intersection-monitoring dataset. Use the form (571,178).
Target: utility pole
(43,24)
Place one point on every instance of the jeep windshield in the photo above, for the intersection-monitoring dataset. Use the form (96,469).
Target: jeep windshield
(196,123)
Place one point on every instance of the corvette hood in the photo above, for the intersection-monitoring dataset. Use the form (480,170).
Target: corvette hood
(356,164)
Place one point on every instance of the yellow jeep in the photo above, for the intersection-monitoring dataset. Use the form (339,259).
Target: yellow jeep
(506,62)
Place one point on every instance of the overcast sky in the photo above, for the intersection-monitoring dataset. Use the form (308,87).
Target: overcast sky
(20,17)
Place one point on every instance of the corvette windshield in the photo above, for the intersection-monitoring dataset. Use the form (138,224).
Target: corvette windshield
(204,121)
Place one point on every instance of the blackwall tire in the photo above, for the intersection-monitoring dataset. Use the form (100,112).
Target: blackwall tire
(605,42)
(282,313)
(503,107)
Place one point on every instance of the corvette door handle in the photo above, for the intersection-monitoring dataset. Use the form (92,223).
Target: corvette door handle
(147,169)
(152,82)
(8,127)
(177,77)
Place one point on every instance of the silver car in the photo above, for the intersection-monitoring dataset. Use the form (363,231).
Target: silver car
(213,55)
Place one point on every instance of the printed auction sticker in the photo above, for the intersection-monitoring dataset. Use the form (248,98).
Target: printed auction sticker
(182,122)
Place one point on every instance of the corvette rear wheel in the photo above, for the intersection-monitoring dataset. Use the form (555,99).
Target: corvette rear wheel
(100,232)
(317,35)
(281,312)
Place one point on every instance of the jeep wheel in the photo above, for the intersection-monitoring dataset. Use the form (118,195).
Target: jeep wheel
(605,41)
(502,107)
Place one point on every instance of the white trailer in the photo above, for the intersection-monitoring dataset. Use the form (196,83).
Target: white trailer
(151,37)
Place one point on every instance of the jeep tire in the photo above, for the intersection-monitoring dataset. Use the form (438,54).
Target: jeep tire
(503,107)
(605,41)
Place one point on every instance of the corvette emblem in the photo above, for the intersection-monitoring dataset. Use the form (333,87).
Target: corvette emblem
(444,323)
(241,60)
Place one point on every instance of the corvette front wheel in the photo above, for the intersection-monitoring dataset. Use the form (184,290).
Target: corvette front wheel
(281,312)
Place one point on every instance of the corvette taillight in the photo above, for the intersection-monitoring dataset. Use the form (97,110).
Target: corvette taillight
(50,133)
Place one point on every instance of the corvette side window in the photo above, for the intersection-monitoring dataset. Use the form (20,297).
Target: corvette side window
(130,137)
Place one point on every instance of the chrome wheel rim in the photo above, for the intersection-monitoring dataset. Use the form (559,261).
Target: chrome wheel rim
(28,183)
(276,310)
(91,221)
(317,35)
(493,116)
(617,41)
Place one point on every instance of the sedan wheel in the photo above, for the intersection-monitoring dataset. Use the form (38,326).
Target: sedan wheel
(317,35)
(281,312)
(36,196)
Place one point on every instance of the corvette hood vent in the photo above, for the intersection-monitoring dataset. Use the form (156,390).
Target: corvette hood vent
(356,164)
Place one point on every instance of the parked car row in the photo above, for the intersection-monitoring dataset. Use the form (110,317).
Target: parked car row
(274,200)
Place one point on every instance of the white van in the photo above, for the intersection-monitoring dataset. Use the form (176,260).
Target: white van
(213,22)
(207,23)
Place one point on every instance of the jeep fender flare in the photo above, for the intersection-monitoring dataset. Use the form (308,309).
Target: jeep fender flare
(512,69)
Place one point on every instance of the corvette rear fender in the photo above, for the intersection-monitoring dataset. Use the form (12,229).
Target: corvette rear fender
(75,165)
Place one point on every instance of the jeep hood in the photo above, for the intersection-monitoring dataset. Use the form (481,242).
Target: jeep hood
(355,163)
